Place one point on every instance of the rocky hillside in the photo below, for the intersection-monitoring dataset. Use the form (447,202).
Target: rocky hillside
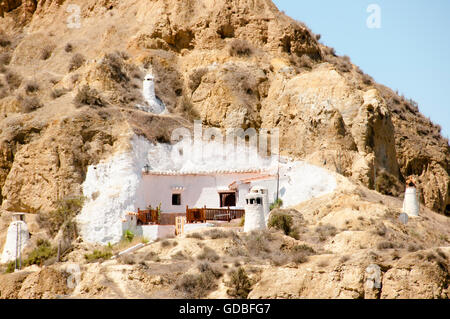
(69,87)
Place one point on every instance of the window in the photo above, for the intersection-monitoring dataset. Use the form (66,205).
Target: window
(176,199)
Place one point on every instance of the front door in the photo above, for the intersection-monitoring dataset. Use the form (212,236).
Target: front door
(227,199)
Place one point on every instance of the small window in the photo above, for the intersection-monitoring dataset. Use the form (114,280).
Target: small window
(176,199)
(258,200)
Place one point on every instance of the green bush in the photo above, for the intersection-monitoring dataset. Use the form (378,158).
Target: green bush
(128,235)
(10,267)
(277,204)
(40,254)
(240,284)
(63,216)
(281,221)
(98,254)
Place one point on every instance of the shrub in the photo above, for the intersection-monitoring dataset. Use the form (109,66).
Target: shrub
(208,254)
(178,255)
(366,79)
(385,245)
(239,47)
(62,217)
(218,233)
(128,235)
(97,255)
(29,104)
(40,254)
(195,235)
(5,58)
(305,61)
(10,267)
(240,284)
(68,48)
(195,78)
(326,231)
(76,62)
(277,204)
(88,96)
(281,221)
(46,52)
(4,40)
(31,87)
(206,267)
(13,79)
(113,67)
(257,242)
(198,285)
(242,222)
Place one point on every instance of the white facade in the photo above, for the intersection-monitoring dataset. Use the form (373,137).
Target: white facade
(16,238)
(117,185)
(254,213)
(410,202)
(195,190)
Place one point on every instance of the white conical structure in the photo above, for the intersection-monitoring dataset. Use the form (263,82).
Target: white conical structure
(254,213)
(265,200)
(16,239)
(155,105)
(410,202)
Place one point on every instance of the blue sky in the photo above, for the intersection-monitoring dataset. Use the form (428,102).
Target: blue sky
(410,52)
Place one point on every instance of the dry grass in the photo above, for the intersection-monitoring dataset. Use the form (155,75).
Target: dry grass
(198,285)
(13,79)
(239,47)
(219,233)
(326,231)
(89,97)
(208,254)
(4,40)
(5,58)
(195,78)
(47,51)
(31,86)
(195,236)
(76,62)
(257,242)
(29,104)
(68,47)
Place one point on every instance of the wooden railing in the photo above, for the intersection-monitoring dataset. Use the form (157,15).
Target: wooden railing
(147,217)
(194,215)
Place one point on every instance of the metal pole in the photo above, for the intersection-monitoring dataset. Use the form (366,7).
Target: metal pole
(20,246)
(278,176)
(17,247)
